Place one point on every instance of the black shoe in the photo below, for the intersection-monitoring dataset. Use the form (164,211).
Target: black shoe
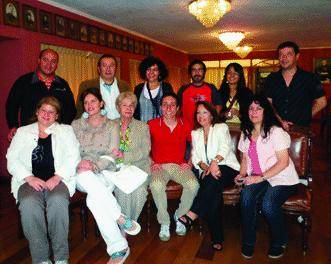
(247,251)
(276,252)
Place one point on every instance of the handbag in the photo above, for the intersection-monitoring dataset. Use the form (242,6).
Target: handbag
(127,179)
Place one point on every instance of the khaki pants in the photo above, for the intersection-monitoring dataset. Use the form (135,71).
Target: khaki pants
(158,185)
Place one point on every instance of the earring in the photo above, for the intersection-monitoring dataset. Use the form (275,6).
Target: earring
(103,112)
(85,115)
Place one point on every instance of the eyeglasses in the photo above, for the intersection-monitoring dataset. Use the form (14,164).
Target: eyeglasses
(45,112)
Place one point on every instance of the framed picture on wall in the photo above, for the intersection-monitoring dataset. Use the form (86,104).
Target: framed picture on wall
(73,30)
(102,37)
(29,17)
(83,33)
(124,43)
(131,45)
(118,41)
(151,50)
(322,68)
(60,26)
(11,13)
(93,35)
(136,47)
(146,49)
(142,48)
(110,39)
(45,22)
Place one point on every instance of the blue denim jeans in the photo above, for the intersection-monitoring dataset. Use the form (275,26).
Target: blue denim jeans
(271,207)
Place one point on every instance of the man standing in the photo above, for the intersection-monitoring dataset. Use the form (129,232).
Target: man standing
(295,94)
(110,87)
(169,135)
(30,88)
(198,90)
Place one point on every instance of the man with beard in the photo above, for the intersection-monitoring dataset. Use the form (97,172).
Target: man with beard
(198,90)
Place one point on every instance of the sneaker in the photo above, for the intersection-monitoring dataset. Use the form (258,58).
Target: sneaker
(46,262)
(276,252)
(61,262)
(247,251)
(180,228)
(164,234)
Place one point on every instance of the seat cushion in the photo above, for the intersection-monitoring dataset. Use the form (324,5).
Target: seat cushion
(231,195)
(299,202)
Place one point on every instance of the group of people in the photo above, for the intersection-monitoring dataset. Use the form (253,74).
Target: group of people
(182,137)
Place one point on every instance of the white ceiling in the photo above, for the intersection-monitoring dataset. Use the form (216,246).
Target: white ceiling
(266,22)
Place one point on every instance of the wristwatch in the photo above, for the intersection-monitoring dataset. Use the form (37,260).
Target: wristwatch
(217,160)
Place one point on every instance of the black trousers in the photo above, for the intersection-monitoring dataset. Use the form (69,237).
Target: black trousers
(208,204)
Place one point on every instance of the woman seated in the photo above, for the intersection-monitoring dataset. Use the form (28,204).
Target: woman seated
(214,157)
(234,93)
(150,92)
(134,147)
(271,175)
(98,138)
(42,158)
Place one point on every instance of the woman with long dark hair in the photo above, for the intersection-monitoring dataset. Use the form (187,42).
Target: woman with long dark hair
(267,172)
(233,92)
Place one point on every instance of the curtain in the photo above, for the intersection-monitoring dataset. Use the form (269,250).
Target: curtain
(76,66)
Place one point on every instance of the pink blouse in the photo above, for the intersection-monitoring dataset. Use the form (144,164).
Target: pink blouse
(252,153)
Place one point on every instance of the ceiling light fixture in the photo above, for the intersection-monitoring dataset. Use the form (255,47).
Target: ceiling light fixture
(208,12)
(243,51)
(231,39)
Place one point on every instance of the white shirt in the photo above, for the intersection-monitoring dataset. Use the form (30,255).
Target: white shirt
(109,96)
(154,92)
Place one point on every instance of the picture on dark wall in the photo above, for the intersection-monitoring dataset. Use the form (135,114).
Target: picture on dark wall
(142,48)
(151,50)
(118,41)
(136,47)
(11,14)
(323,69)
(60,26)
(146,49)
(124,43)
(73,29)
(110,39)
(45,22)
(83,35)
(29,18)
(93,33)
(102,37)
(131,45)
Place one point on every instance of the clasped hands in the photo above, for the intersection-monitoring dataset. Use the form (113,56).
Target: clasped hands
(212,169)
(247,180)
(39,184)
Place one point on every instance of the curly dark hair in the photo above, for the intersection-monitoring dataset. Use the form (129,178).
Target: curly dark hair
(269,116)
(149,62)
(210,108)
(241,83)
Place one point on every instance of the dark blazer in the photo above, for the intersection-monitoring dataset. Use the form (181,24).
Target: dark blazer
(165,86)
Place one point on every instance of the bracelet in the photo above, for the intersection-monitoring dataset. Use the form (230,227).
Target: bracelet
(263,178)
(217,160)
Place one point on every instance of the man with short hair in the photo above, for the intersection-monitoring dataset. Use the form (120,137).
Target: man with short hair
(169,135)
(110,87)
(295,94)
(30,88)
(198,90)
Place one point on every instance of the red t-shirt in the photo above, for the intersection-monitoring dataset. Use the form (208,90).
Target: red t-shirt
(167,146)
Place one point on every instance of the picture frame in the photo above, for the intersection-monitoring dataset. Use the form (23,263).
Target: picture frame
(102,37)
(45,22)
(83,32)
(93,35)
(60,26)
(29,17)
(118,41)
(142,48)
(73,29)
(131,45)
(125,43)
(136,47)
(11,13)
(146,49)
(322,68)
(110,39)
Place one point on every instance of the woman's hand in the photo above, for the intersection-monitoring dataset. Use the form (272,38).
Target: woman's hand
(239,179)
(36,183)
(214,169)
(85,165)
(156,167)
(53,182)
(185,166)
(117,153)
(205,169)
(253,179)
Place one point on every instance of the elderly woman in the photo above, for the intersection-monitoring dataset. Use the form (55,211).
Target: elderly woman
(234,93)
(42,158)
(149,93)
(98,138)
(214,157)
(271,174)
(135,145)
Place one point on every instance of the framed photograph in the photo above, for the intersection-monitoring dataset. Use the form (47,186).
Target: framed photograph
(110,39)
(151,50)
(93,35)
(29,17)
(83,32)
(60,26)
(131,45)
(73,30)
(118,41)
(102,37)
(11,15)
(124,43)
(146,49)
(323,69)
(136,47)
(142,48)
(45,22)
